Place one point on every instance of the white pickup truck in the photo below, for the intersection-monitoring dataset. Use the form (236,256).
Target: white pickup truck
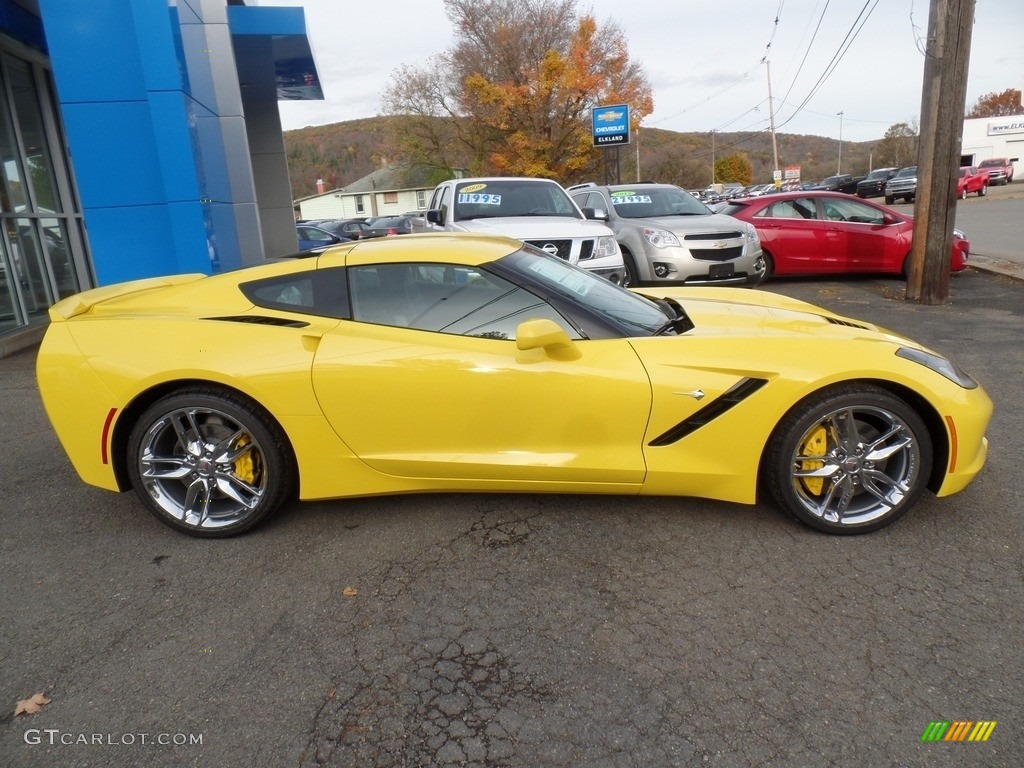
(536,211)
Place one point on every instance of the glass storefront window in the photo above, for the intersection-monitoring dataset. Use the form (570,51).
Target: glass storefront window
(55,240)
(42,255)
(33,137)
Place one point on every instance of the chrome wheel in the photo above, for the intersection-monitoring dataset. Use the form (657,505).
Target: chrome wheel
(851,461)
(208,464)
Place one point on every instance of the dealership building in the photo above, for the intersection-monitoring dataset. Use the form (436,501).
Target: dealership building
(141,138)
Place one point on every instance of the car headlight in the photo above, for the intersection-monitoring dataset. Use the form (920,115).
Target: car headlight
(938,364)
(958,234)
(661,238)
(606,246)
(752,237)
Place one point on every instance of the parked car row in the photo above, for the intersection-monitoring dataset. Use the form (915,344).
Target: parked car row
(667,236)
(321,233)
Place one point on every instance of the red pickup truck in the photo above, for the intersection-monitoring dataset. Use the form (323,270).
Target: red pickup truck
(971,180)
(1000,169)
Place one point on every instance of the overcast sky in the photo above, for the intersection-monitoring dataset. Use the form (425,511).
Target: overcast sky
(703,58)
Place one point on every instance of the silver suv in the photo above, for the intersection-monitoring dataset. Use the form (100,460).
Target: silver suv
(667,236)
(902,186)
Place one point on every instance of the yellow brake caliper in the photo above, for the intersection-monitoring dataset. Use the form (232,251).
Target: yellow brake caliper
(245,465)
(815,445)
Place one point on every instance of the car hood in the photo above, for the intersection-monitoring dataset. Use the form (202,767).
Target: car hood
(708,223)
(742,312)
(534,227)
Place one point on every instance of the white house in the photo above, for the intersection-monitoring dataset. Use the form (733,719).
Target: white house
(385,192)
(986,137)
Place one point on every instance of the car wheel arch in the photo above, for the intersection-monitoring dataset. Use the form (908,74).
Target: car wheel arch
(925,410)
(130,414)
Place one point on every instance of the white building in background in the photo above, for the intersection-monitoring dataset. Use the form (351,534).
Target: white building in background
(385,192)
(986,137)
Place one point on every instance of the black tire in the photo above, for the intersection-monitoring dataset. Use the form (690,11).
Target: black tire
(890,200)
(983,191)
(632,277)
(848,460)
(210,463)
(769,265)
(963,194)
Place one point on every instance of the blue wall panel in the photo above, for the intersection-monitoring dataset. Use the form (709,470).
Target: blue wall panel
(131,243)
(115,153)
(95,48)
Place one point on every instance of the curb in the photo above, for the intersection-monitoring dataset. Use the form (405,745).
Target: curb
(996,266)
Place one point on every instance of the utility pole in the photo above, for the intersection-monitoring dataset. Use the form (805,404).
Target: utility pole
(943,95)
(771,122)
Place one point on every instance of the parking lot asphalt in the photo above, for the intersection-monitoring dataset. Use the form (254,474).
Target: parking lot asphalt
(523,630)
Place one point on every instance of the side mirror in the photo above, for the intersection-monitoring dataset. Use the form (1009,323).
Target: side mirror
(435,216)
(545,334)
(595,214)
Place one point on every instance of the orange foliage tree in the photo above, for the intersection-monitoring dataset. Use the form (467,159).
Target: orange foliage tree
(997,105)
(513,96)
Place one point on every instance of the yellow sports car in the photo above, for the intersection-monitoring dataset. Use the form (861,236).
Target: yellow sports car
(468,363)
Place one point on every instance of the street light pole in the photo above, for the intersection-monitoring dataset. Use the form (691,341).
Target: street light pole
(839,163)
(712,157)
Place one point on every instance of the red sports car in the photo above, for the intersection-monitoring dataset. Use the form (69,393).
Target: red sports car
(808,233)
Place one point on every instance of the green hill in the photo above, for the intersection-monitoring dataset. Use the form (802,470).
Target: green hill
(341,153)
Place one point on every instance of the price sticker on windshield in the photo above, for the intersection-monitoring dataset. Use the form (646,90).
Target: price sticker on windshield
(627,199)
(482,198)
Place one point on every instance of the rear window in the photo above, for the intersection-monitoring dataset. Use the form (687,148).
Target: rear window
(732,208)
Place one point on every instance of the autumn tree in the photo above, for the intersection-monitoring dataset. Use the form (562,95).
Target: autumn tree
(513,95)
(898,146)
(997,105)
(734,167)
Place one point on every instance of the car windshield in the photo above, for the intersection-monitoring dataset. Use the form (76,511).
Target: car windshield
(907,172)
(637,314)
(880,174)
(990,163)
(652,202)
(501,198)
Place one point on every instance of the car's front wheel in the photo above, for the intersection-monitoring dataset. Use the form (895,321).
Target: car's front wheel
(209,463)
(983,191)
(889,200)
(632,278)
(847,460)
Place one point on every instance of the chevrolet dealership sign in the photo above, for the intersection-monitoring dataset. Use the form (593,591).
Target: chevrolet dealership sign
(611,125)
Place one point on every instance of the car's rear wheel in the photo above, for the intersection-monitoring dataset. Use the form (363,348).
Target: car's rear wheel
(848,460)
(890,200)
(209,463)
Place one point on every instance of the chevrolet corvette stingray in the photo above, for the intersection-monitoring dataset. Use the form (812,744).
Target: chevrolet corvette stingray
(469,363)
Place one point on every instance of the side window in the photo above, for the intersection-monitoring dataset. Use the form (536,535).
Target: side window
(316,292)
(862,214)
(798,208)
(444,203)
(445,298)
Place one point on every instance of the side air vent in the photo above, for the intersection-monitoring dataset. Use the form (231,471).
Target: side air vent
(261,320)
(847,323)
(739,392)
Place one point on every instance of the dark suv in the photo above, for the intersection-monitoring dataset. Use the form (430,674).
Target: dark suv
(873,185)
(842,182)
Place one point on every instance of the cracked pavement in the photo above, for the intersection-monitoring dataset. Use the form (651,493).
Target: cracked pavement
(508,631)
